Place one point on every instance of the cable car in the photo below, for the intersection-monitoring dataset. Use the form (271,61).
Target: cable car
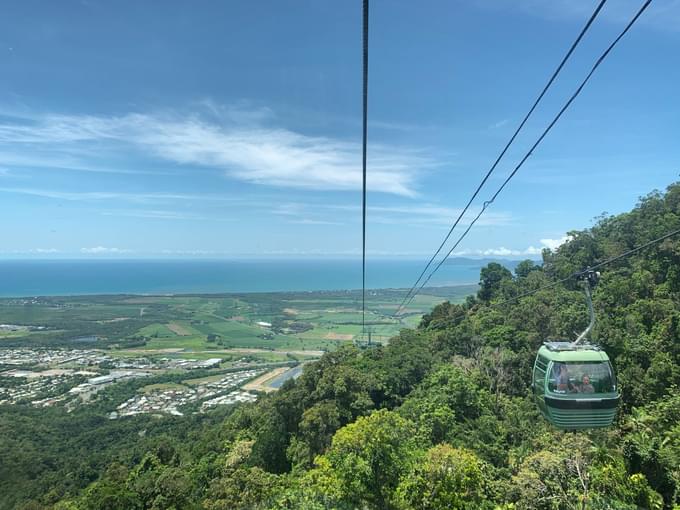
(573,383)
(574,386)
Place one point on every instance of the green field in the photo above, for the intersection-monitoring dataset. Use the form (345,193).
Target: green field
(201,324)
(162,386)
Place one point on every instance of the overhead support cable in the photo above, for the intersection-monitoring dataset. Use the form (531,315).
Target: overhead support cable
(529,152)
(365,137)
(507,145)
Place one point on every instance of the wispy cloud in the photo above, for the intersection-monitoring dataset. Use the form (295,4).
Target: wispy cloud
(94,196)
(442,215)
(31,251)
(397,126)
(499,124)
(290,209)
(400,214)
(418,214)
(102,250)
(308,221)
(661,15)
(241,113)
(248,152)
(159,215)
(303,214)
(54,159)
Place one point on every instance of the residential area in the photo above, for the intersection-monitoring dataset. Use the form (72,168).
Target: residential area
(74,377)
(169,399)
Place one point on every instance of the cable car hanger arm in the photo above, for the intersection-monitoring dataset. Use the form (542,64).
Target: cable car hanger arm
(589,278)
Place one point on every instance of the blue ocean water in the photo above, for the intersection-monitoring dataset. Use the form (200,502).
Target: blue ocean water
(74,277)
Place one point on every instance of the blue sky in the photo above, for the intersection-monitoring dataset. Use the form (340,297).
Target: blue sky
(224,129)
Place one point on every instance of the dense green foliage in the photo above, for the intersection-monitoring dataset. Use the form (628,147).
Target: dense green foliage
(442,418)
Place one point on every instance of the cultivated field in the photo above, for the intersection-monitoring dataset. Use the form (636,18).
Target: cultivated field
(267,326)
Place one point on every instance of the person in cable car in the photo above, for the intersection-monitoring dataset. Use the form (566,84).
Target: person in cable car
(562,383)
(585,386)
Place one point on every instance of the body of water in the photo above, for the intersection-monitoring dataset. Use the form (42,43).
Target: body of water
(75,277)
(293,373)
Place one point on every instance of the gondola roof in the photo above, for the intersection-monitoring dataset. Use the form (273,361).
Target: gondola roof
(568,352)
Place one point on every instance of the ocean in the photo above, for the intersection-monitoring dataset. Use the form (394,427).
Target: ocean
(75,277)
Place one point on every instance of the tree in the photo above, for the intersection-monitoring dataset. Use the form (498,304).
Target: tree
(525,267)
(242,489)
(107,495)
(457,389)
(433,420)
(317,427)
(573,473)
(447,478)
(317,489)
(491,278)
(370,456)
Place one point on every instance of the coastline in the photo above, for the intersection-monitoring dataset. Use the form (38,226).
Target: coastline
(31,278)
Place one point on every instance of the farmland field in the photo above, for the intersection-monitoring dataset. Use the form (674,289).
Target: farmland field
(288,323)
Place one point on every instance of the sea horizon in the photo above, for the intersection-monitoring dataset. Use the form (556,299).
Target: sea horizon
(71,277)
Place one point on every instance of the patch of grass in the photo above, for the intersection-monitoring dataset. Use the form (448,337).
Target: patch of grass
(161,387)
(157,331)
(204,380)
(182,342)
(179,329)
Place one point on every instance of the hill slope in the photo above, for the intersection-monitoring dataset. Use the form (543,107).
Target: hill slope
(441,418)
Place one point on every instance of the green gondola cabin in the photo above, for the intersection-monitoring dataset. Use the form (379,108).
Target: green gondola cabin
(574,386)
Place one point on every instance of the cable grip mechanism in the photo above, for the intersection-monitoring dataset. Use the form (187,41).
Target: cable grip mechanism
(589,279)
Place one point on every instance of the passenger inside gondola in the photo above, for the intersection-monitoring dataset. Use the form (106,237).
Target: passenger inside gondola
(590,377)
(562,383)
(585,386)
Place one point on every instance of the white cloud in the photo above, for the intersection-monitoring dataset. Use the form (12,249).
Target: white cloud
(501,252)
(94,196)
(427,213)
(242,112)
(419,214)
(308,221)
(498,252)
(31,251)
(260,155)
(395,126)
(499,124)
(55,160)
(531,251)
(101,250)
(553,244)
(163,215)
(289,209)
(399,214)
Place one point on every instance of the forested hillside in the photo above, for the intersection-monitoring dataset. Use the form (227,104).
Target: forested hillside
(442,417)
